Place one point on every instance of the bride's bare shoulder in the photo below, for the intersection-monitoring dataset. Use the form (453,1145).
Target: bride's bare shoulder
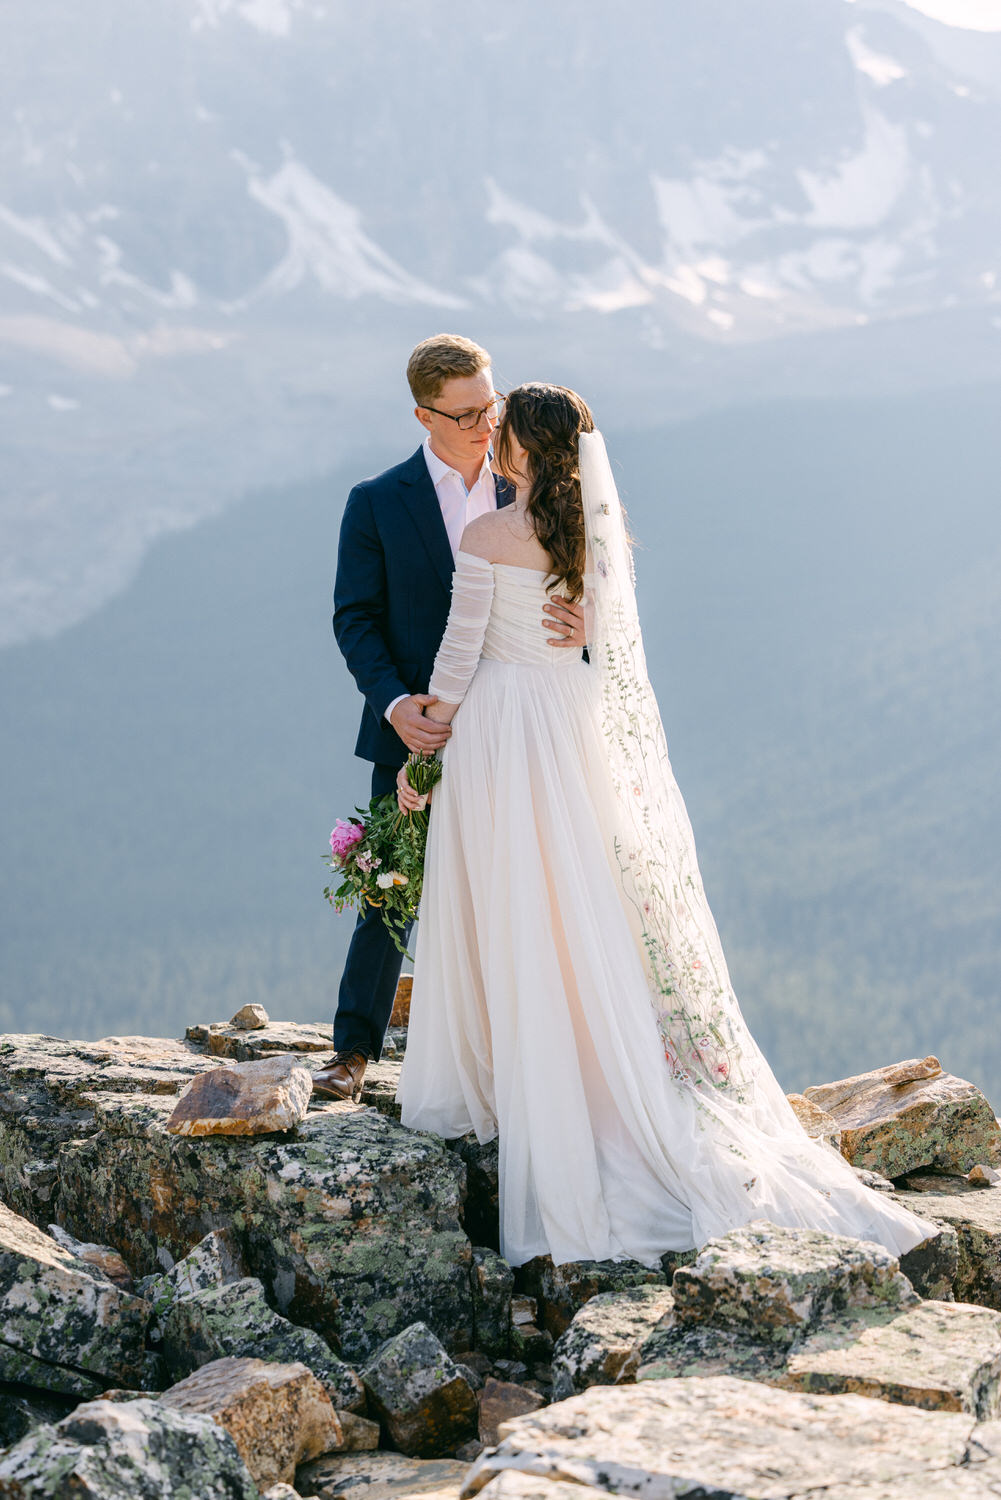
(483,537)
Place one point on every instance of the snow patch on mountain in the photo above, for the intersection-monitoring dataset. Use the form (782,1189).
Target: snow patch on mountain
(717,205)
(880,69)
(968,15)
(37,232)
(326,242)
(32,282)
(861,191)
(272,17)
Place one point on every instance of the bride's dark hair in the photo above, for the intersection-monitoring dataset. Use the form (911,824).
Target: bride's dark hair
(547,420)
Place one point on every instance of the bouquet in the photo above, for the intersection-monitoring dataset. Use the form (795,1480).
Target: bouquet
(379,855)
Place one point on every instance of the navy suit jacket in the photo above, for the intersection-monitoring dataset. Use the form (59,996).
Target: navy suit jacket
(392,594)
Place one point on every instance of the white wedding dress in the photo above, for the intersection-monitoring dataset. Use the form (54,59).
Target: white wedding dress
(536,1015)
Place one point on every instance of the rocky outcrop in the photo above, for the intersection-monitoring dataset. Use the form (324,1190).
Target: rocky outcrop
(974,1216)
(777,1283)
(64,1325)
(140,1449)
(254,1098)
(733,1439)
(501,1401)
(214,1261)
(424,1401)
(351,1222)
(106,1260)
(817,1123)
(250,1018)
(344,1240)
(561,1291)
(911,1115)
(381,1476)
(819,1313)
(277,1415)
(601,1344)
(236,1319)
(244,1044)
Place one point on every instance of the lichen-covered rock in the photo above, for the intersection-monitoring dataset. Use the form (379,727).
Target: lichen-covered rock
(63,1324)
(107,1261)
(358,1434)
(22,1411)
(250,1018)
(510,1484)
(214,1261)
(817,1123)
(47,1091)
(839,1327)
(425,1403)
(381,1476)
(352,1224)
(726,1438)
(492,1281)
(226,1039)
(561,1291)
(901,1118)
(776,1282)
(235,1320)
(941,1356)
(501,1401)
(481,1209)
(932,1266)
(983,1176)
(252,1098)
(141,1450)
(604,1337)
(277,1415)
(975,1216)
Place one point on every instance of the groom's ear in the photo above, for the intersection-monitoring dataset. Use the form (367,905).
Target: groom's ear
(423,416)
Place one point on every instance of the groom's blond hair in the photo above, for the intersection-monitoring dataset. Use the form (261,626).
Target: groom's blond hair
(442,357)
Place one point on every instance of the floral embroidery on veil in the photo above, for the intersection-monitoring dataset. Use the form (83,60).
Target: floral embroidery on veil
(705,1039)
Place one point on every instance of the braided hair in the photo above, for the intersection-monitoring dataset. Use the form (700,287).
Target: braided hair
(547,421)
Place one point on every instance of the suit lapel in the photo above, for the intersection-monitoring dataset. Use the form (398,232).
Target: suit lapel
(422,502)
(505,492)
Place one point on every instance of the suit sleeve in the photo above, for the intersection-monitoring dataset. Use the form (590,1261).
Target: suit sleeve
(360,600)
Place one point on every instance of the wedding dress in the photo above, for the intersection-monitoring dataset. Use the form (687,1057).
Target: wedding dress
(570,992)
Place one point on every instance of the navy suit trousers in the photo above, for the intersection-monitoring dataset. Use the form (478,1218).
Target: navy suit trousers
(368,984)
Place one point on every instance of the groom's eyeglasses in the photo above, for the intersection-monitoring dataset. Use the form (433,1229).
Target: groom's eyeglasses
(467,420)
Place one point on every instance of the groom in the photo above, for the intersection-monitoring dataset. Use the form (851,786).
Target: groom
(395,560)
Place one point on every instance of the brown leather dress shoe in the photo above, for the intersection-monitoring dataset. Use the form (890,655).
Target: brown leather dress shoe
(341,1077)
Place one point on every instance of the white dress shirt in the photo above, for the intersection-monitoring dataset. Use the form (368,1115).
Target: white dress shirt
(458,505)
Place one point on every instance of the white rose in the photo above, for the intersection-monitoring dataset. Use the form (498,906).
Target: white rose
(385,880)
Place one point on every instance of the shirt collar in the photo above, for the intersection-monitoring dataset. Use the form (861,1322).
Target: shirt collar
(438,469)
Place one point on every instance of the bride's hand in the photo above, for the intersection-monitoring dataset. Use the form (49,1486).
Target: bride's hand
(407,799)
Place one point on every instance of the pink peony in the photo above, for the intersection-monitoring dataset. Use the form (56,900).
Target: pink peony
(344,837)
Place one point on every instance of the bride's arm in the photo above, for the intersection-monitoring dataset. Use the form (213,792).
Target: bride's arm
(459,652)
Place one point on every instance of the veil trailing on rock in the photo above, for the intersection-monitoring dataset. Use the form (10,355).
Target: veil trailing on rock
(747,1152)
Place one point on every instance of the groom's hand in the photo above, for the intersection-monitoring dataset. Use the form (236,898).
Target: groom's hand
(417,732)
(569,621)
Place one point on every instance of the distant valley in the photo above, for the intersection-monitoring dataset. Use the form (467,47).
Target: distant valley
(823,619)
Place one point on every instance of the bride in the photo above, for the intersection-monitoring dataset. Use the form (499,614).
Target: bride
(570,992)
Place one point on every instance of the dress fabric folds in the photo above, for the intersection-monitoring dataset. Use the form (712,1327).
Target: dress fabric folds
(531,1014)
